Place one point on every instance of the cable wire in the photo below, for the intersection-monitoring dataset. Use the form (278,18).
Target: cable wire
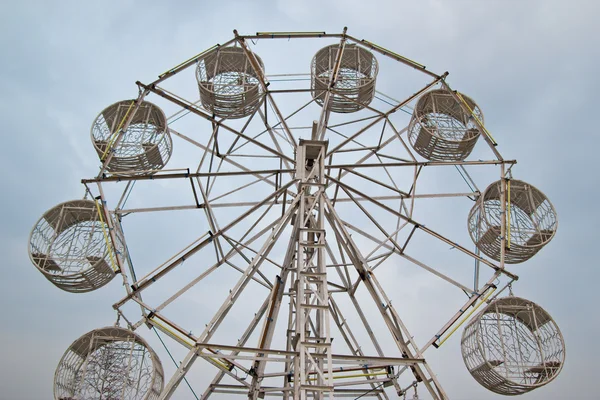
(367,392)
(174,362)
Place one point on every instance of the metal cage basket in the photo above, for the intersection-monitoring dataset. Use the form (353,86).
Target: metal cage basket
(145,146)
(229,84)
(513,346)
(440,129)
(531,221)
(355,85)
(109,363)
(70,246)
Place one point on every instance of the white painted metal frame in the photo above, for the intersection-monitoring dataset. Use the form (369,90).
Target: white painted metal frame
(109,363)
(323,264)
(513,346)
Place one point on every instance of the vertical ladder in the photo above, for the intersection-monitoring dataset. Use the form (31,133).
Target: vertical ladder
(313,366)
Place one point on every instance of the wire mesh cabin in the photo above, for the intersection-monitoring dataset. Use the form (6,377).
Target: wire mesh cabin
(70,247)
(355,84)
(109,363)
(144,146)
(229,82)
(513,346)
(440,129)
(530,215)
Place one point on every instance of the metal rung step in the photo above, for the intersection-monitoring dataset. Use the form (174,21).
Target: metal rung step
(308,183)
(314,274)
(315,230)
(317,338)
(315,306)
(316,388)
(315,344)
(314,245)
(309,290)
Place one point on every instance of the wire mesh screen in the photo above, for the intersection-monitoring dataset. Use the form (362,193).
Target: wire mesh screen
(146,144)
(70,246)
(441,130)
(531,219)
(109,363)
(513,346)
(355,84)
(229,84)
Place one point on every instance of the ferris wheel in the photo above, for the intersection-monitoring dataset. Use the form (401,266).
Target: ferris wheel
(318,194)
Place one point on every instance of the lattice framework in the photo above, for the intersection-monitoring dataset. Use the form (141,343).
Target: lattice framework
(132,139)
(69,246)
(530,217)
(247,135)
(513,346)
(109,363)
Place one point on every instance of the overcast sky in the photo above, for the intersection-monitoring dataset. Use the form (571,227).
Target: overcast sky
(531,65)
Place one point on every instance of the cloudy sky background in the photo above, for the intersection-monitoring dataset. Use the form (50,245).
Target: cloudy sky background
(531,65)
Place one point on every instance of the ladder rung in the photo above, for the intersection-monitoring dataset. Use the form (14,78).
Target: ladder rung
(315,344)
(314,230)
(318,338)
(311,183)
(320,307)
(314,274)
(316,388)
(315,245)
